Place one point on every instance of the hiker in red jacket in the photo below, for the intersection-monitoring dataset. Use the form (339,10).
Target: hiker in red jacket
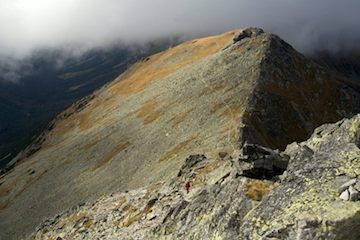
(187,186)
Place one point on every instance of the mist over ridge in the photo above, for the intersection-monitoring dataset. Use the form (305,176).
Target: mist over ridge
(27,25)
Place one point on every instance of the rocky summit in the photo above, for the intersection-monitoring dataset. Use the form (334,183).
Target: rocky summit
(209,111)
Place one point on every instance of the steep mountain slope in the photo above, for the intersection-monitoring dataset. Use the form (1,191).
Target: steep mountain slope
(49,88)
(206,96)
(222,204)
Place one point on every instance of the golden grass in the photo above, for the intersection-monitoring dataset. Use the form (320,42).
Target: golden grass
(133,214)
(214,88)
(29,182)
(113,153)
(217,107)
(4,204)
(162,64)
(152,117)
(147,108)
(89,224)
(122,200)
(138,77)
(4,190)
(151,110)
(148,111)
(180,118)
(84,122)
(256,189)
(169,154)
(234,110)
(90,145)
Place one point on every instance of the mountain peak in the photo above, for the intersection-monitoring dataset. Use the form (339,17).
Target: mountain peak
(247,33)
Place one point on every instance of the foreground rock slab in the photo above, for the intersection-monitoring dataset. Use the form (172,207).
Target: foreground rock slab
(303,204)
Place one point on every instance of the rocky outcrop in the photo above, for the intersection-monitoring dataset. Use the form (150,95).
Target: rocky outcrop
(304,203)
(260,162)
(206,96)
(247,33)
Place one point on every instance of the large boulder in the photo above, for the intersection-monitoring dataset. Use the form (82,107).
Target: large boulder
(260,162)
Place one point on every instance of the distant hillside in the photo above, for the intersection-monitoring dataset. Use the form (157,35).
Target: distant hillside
(27,107)
(345,63)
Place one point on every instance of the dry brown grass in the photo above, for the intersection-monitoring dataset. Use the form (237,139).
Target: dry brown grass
(180,118)
(234,110)
(137,78)
(73,219)
(256,189)
(147,108)
(121,147)
(214,88)
(162,64)
(4,190)
(169,154)
(30,181)
(149,111)
(152,117)
(90,145)
(4,204)
(132,215)
(89,224)
(122,200)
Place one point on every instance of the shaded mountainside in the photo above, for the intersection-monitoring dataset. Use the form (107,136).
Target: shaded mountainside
(303,203)
(207,96)
(346,63)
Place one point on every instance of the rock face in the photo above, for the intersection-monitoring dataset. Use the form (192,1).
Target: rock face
(303,204)
(260,162)
(206,96)
(247,33)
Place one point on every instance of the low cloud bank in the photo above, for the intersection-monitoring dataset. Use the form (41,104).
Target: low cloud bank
(80,25)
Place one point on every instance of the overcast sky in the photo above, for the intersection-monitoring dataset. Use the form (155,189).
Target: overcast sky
(26,25)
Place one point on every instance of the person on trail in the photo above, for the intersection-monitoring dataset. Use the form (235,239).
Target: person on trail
(187,186)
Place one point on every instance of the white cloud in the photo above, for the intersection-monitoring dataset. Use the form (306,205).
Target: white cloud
(26,25)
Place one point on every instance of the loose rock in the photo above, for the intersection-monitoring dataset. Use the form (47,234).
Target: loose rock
(346,185)
(345,195)
(354,195)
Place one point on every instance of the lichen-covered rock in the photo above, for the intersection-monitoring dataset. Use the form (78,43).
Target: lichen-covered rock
(304,204)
